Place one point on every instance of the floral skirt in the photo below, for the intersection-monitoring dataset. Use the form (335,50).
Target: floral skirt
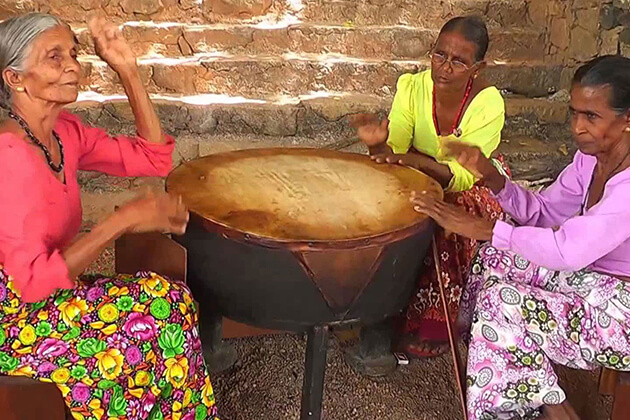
(521,319)
(124,347)
(424,316)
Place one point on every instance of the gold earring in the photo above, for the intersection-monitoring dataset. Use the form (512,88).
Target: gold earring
(19,89)
(627,130)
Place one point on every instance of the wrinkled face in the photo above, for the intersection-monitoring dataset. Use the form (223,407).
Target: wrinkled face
(461,54)
(597,128)
(52,71)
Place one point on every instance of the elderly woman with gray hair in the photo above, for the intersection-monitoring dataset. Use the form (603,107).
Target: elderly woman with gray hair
(124,347)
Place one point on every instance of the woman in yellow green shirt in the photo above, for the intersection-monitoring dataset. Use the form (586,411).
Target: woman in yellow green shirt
(448,102)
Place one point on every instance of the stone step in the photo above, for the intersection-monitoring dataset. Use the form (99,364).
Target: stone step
(293,74)
(497,13)
(530,160)
(426,13)
(534,160)
(385,43)
(319,115)
(194,11)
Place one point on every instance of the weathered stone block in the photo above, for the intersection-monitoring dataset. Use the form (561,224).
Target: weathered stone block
(237,8)
(224,39)
(610,42)
(201,120)
(186,148)
(184,47)
(560,33)
(180,78)
(267,120)
(545,111)
(609,17)
(142,7)
(538,12)
(583,45)
(174,118)
(588,19)
(586,4)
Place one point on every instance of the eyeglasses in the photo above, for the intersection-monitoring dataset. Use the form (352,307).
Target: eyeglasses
(458,66)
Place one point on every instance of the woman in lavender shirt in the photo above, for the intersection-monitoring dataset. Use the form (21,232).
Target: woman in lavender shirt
(553,287)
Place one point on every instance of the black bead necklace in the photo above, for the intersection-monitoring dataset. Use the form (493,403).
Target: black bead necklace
(31,136)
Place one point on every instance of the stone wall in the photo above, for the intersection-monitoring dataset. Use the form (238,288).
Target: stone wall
(230,74)
(615,25)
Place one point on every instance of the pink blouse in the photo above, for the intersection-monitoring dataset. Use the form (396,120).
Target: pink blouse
(40,215)
(553,233)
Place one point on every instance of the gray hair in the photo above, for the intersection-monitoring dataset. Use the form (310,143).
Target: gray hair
(16,39)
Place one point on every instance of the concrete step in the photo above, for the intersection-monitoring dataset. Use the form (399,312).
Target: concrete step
(322,114)
(381,42)
(427,13)
(293,74)
(530,160)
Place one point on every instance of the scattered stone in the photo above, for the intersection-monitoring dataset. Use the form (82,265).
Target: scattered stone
(562,95)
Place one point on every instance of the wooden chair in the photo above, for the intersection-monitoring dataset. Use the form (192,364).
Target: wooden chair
(616,384)
(23,398)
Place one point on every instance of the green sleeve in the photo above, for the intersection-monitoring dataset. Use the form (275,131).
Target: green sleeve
(401,119)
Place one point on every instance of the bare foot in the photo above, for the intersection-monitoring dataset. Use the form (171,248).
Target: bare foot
(417,347)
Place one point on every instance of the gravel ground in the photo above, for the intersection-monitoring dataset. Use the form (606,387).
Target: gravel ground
(266,384)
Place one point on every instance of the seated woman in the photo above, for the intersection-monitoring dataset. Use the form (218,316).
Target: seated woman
(121,347)
(449,101)
(553,289)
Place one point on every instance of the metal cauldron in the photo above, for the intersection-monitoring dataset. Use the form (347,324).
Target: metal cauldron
(247,264)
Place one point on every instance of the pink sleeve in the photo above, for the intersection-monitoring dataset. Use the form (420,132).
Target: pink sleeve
(38,270)
(579,241)
(120,155)
(551,207)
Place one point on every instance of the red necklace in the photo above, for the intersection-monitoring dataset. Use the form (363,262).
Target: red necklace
(458,117)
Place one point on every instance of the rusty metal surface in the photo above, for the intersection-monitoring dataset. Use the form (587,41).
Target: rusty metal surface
(341,275)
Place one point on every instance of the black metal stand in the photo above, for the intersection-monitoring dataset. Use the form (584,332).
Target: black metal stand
(373,355)
(218,354)
(315,370)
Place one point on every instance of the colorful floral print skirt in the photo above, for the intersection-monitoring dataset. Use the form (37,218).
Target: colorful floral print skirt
(124,348)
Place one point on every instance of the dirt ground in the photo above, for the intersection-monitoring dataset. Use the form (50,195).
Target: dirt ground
(266,384)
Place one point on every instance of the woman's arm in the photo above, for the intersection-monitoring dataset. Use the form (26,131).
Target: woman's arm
(154,212)
(112,47)
(551,207)
(436,170)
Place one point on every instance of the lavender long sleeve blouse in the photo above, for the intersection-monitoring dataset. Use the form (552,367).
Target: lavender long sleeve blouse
(553,233)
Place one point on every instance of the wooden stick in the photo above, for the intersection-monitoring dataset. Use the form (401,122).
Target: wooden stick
(452,338)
